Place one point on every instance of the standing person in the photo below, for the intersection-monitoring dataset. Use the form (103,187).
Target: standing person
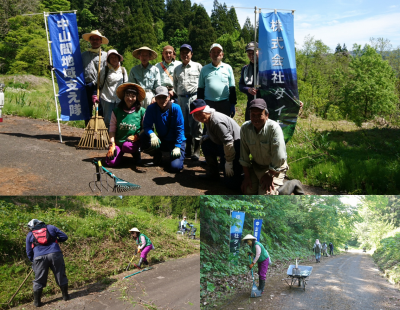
(90,61)
(222,140)
(145,74)
(261,257)
(247,77)
(44,252)
(324,249)
(330,248)
(166,70)
(184,223)
(217,83)
(126,124)
(168,121)
(263,139)
(144,246)
(111,76)
(317,251)
(186,79)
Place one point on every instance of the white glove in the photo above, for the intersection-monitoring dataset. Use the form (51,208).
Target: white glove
(176,152)
(154,141)
(229,169)
(204,138)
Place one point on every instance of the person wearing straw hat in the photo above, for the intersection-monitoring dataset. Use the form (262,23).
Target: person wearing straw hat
(111,76)
(217,83)
(144,246)
(145,74)
(186,79)
(126,124)
(168,121)
(166,69)
(90,61)
(44,252)
(222,140)
(261,257)
(262,138)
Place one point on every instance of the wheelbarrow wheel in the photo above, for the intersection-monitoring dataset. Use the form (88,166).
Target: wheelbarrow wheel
(304,284)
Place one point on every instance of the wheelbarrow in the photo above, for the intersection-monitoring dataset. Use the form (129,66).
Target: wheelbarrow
(298,276)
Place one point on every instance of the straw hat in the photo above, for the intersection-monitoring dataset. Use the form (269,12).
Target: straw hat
(86,36)
(249,237)
(141,94)
(134,229)
(153,54)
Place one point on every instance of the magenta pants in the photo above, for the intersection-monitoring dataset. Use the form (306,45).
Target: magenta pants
(126,147)
(145,251)
(262,269)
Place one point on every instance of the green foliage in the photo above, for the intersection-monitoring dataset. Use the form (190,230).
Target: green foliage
(180,37)
(247,33)
(56,5)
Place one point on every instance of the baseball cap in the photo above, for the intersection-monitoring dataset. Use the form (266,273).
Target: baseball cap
(258,103)
(216,45)
(197,105)
(251,46)
(186,46)
(161,91)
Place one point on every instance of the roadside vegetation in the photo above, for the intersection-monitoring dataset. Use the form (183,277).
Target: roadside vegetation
(99,245)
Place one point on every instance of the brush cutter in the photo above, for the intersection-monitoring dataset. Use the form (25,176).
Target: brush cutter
(119,184)
(127,268)
(255,292)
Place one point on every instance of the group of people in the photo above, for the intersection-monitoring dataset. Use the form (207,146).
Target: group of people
(319,249)
(44,252)
(160,109)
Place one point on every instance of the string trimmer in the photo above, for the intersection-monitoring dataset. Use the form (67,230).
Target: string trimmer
(119,184)
(255,292)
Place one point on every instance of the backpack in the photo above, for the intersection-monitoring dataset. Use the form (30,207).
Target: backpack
(42,236)
(106,74)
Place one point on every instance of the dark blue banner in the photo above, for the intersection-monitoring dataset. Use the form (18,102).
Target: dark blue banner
(257,228)
(236,232)
(277,69)
(67,62)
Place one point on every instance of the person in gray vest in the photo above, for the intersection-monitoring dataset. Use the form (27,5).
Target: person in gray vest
(44,252)
(186,79)
(317,248)
(222,140)
(146,75)
(90,61)
(261,257)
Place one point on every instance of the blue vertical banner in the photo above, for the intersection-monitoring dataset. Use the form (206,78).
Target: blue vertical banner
(277,69)
(236,233)
(67,62)
(257,224)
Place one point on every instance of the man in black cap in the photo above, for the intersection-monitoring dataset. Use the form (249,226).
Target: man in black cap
(44,252)
(246,82)
(263,139)
(222,140)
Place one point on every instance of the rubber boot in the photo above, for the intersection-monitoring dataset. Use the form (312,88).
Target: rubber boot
(262,285)
(137,158)
(196,150)
(64,291)
(145,262)
(189,147)
(212,169)
(37,295)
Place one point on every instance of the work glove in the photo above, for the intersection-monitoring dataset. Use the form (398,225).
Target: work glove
(229,169)
(139,250)
(154,141)
(251,265)
(204,138)
(95,99)
(112,152)
(176,153)
(133,138)
(233,110)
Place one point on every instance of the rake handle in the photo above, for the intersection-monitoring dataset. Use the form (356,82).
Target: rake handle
(20,286)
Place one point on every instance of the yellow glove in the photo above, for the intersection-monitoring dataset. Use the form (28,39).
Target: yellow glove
(176,152)
(111,151)
(133,138)
(154,141)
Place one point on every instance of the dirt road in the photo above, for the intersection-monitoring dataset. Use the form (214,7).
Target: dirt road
(33,162)
(173,285)
(346,282)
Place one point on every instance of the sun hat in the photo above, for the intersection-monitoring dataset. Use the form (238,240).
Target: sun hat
(115,52)
(86,36)
(216,45)
(141,94)
(136,52)
(249,237)
(134,229)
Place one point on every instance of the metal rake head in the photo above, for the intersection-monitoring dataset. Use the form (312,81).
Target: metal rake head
(124,186)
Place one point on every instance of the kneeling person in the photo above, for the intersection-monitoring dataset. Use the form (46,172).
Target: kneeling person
(44,252)
(168,120)
(263,139)
(222,140)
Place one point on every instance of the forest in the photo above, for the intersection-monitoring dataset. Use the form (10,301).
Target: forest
(290,227)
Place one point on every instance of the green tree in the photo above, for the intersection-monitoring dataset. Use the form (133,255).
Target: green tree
(180,37)
(56,5)
(338,48)
(247,32)
(233,18)
(220,20)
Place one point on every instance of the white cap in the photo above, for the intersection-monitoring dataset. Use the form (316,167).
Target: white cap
(216,45)
(134,229)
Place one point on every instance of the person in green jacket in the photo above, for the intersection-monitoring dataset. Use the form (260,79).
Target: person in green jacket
(126,124)
(144,246)
(262,258)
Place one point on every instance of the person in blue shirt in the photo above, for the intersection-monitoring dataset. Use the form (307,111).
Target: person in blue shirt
(168,120)
(44,252)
